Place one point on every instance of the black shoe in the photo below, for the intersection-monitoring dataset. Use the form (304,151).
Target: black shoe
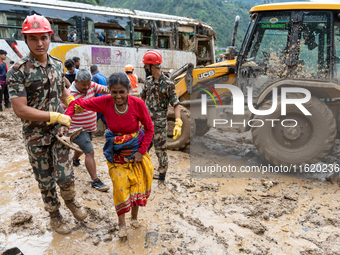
(155,174)
(7,105)
(76,162)
(161,184)
(98,185)
(1,109)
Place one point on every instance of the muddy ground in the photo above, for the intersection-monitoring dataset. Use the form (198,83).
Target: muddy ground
(278,214)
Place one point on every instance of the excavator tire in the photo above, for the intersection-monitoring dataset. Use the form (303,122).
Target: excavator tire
(306,143)
(187,127)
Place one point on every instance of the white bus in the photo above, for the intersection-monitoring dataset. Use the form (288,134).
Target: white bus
(108,37)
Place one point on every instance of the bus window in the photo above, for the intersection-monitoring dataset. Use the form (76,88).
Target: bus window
(165,34)
(14,23)
(186,38)
(122,38)
(186,41)
(99,36)
(107,30)
(55,36)
(142,36)
(64,30)
(111,37)
(204,49)
(163,42)
(65,24)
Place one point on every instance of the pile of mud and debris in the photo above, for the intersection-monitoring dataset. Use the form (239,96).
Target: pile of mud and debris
(277,215)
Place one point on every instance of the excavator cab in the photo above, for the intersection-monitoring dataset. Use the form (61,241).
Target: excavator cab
(290,47)
(289,44)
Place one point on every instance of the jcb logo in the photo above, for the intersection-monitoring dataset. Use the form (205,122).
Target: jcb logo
(206,74)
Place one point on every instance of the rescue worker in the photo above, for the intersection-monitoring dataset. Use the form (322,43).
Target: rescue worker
(36,86)
(157,93)
(221,59)
(132,77)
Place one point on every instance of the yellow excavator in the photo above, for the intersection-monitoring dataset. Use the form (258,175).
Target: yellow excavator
(286,77)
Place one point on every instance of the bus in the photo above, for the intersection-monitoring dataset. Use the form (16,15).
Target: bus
(109,37)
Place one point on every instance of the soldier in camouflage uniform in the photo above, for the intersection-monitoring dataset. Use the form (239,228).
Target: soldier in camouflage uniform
(36,86)
(157,93)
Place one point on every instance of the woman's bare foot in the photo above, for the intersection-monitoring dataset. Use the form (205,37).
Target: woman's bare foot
(135,224)
(122,234)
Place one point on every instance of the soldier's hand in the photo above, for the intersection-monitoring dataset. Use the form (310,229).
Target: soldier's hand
(78,109)
(0,87)
(63,119)
(63,130)
(69,100)
(178,128)
(138,157)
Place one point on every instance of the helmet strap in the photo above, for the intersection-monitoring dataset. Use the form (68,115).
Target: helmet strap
(147,72)
(151,68)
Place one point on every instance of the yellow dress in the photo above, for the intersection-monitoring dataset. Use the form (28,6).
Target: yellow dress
(131,184)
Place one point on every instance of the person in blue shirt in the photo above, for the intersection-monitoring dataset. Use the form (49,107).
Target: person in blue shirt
(100,37)
(99,78)
(72,37)
(71,70)
(121,35)
(3,84)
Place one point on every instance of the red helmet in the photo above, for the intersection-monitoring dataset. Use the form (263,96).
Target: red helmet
(36,24)
(129,68)
(152,57)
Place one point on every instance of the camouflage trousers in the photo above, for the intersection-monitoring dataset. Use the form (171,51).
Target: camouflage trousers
(160,142)
(52,164)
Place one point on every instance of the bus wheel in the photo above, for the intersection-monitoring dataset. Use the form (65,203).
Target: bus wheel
(295,139)
(201,127)
(184,139)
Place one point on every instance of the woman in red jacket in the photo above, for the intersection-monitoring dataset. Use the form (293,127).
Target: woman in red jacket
(129,164)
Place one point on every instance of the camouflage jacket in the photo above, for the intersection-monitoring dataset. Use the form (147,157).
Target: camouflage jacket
(42,86)
(158,96)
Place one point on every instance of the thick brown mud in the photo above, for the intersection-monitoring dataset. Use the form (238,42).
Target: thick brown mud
(278,214)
